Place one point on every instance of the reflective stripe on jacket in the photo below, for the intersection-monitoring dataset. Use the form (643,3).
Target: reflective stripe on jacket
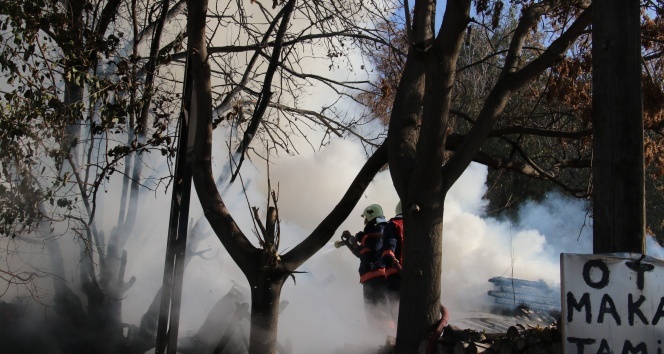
(391,271)
(372,274)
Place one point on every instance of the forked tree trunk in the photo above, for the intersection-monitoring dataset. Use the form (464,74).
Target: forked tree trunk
(421,174)
(431,69)
(265,269)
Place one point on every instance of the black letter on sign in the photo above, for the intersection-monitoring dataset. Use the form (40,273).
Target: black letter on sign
(640,269)
(604,347)
(608,306)
(602,267)
(573,305)
(633,308)
(659,313)
(628,348)
(580,342)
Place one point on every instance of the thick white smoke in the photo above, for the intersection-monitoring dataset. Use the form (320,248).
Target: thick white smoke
(325,309)
(325,304)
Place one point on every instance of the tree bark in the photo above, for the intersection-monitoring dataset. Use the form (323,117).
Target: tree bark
(263,268)
(618,159)
(416,147)
(417,153)
(265,294)
(421,275)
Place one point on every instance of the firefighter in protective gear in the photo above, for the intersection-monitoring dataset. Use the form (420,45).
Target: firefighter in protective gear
(367,245)
(392,258)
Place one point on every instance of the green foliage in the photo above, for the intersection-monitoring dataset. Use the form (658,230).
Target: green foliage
(68,90)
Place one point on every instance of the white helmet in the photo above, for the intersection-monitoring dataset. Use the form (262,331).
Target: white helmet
(372,211)
(397,210)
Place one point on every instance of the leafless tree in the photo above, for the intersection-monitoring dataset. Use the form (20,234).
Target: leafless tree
(415,148)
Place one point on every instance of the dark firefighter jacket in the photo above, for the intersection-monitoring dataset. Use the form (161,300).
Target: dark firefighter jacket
(369,250)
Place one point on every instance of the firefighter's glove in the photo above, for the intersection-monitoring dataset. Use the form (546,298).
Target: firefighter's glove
(345,237)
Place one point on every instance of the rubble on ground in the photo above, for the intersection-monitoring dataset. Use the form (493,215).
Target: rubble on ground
(519,339)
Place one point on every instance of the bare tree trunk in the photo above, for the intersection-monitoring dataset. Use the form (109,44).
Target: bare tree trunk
(618,160)
(265,296)
(265,269)
(417,170)
(421,276)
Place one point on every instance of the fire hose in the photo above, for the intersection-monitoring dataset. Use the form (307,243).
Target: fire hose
(438,332)
(346,239)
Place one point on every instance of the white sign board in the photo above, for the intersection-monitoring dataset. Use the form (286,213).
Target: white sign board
(612,304)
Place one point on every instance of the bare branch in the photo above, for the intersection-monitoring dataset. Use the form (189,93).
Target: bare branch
(506,86)
(266,93)
(325,230)
(257,220)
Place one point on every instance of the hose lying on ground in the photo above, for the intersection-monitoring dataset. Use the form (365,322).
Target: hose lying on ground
(444,317)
